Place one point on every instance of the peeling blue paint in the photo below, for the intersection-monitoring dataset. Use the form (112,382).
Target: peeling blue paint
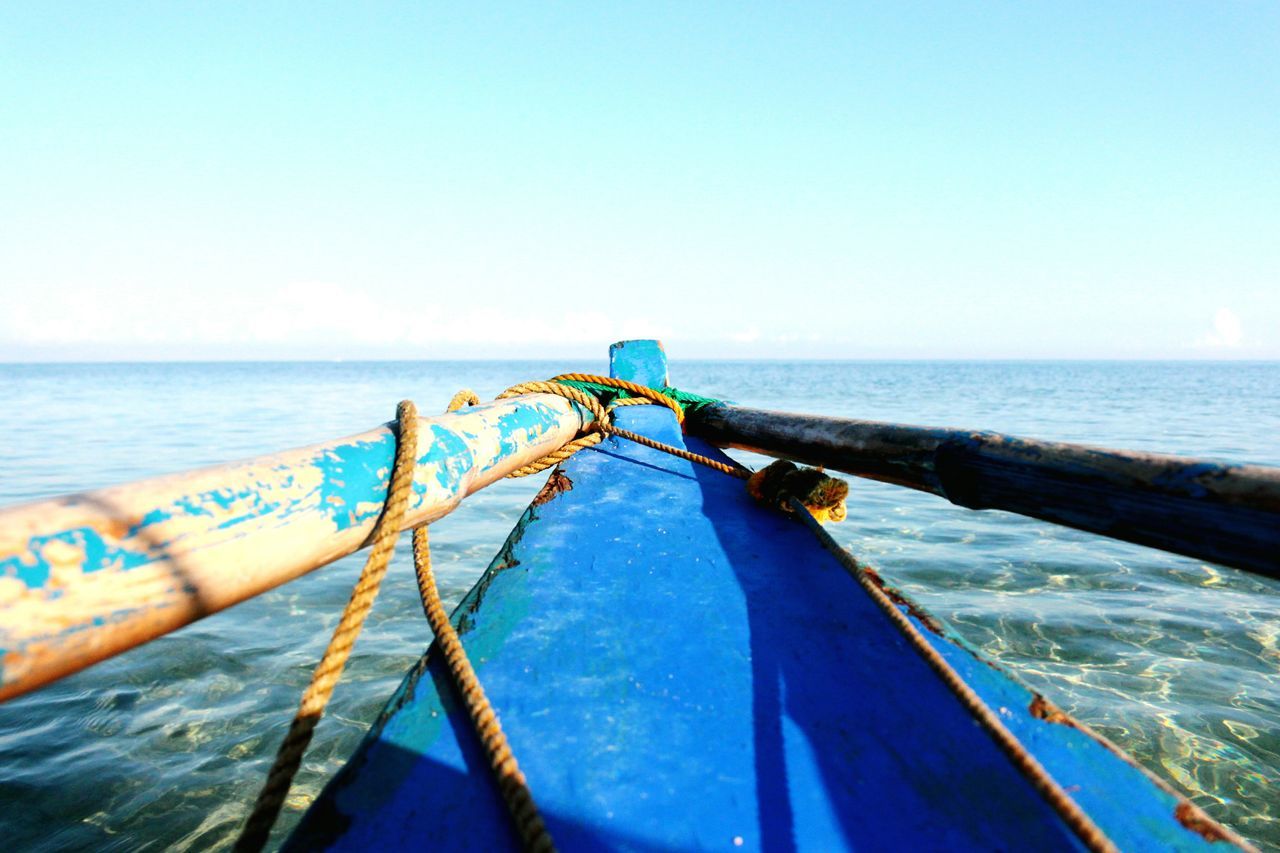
(259,508)
(343,482)
(34,571)
(156,516)
(511,427)
(452,454)
(350,477)
(526,425)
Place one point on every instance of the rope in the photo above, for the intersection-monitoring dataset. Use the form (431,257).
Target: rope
(1058,799)
(641,391)
(582,398)
(314,699)
(511,782)
(465,397)
(733,471)
(602,423)
(822,495)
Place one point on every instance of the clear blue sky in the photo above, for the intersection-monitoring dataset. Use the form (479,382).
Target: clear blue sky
(1034,180)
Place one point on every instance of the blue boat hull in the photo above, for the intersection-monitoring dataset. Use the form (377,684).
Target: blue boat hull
(678,668)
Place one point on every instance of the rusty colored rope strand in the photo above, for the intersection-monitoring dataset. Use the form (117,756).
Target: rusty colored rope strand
(506,771)
(314,699)
(1058,799)
(733,471)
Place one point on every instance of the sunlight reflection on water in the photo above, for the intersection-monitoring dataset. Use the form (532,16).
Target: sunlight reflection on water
(165,747)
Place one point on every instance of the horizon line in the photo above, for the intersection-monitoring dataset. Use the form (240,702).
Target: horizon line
(675,359)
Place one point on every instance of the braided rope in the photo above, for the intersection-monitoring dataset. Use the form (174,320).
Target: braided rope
(325,677)
(465,397)
(603,420)
(733,471)
(632,387)
(506,771)
(582,398)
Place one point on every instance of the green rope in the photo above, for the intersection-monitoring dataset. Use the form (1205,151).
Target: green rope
(605,394)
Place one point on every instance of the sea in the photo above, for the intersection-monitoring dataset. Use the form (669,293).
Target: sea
(166,746)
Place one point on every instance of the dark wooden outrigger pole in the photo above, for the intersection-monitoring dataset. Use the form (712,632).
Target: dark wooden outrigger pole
(1223,513)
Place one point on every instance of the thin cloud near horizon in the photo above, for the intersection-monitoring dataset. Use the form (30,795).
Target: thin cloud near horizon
(801,181)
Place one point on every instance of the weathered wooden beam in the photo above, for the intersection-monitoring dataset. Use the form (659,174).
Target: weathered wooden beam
(86,576)
(1223,513)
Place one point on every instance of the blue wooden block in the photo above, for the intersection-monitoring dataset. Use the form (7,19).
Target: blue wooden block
(643,362)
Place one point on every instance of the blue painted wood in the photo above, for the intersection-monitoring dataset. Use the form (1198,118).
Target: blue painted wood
(86,576)
(642,361)
(677,668)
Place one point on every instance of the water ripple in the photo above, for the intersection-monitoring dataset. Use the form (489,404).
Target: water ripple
(165,747)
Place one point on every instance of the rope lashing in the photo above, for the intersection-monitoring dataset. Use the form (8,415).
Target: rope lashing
(638,391)
(823,495)
(607,388)
(511,782)
(325,677)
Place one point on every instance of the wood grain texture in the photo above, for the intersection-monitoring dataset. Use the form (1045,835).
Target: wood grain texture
(1221,512)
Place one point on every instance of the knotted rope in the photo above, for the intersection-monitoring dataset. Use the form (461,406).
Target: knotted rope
(511,782)
(823,496)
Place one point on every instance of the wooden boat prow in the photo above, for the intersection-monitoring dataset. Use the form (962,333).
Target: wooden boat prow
(678,668)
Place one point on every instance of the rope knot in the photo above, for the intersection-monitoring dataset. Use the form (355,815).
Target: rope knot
(823,495)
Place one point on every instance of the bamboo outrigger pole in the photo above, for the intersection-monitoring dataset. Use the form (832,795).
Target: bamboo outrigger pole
(1223,513)
(87,576)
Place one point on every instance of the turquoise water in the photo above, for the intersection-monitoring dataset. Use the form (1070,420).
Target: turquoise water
(165,747)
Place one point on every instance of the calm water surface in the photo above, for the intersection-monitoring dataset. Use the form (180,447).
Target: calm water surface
(165,747)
